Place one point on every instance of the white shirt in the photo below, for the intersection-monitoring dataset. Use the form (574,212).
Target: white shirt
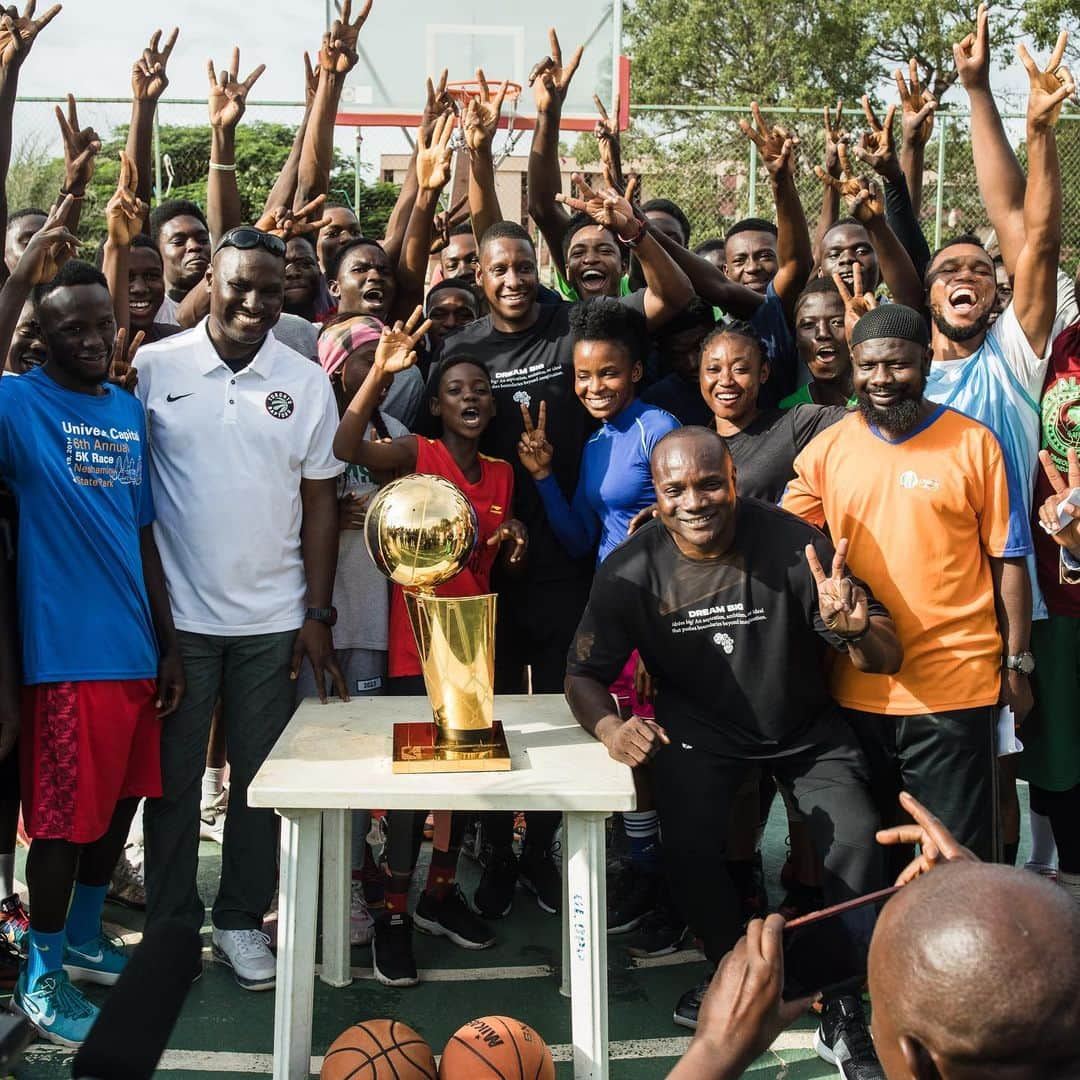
(227,453)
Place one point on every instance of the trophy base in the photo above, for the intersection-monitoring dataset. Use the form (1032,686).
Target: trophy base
(417,749)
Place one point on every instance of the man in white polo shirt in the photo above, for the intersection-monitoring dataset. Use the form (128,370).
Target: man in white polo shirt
(241,431)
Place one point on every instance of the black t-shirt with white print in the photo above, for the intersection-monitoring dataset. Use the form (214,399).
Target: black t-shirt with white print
(736,644)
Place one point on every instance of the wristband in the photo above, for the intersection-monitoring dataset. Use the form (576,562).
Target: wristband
(223,168)
(78,198)
(854,639)
(636,240)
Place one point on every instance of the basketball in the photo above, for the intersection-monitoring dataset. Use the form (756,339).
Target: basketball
(379,1050)
(498,1047)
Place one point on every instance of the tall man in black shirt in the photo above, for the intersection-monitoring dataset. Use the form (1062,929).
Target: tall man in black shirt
(734,587)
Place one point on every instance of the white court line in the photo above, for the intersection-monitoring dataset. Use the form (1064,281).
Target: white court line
(683,956)
(225,1062)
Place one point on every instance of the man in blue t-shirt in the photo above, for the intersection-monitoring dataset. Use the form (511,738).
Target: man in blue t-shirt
(100,662)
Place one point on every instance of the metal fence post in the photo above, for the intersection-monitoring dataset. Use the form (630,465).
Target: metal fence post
(939,202)
(751,188)
(157,156)
(356,172)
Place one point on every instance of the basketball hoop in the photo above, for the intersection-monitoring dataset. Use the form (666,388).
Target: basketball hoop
(473,90)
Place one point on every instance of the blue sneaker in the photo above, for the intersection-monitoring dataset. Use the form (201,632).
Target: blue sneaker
(99,960)
(56,1008)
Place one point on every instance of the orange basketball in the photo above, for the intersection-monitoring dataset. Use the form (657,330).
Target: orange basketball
(496,1047)
(379,1050)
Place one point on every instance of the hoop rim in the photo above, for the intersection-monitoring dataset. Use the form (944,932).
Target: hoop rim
(466,89)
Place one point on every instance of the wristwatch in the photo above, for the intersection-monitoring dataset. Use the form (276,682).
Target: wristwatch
(326,615)
(1023,662)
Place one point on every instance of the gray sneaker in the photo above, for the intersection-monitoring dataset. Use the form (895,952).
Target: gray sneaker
(248,953)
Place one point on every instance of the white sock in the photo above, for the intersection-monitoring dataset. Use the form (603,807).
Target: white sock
(1071,884)
(7,875)
(212,782)
(1043,848)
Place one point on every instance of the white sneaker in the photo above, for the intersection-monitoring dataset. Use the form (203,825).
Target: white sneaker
(217,804)
(248,953)
(361,924)
(212,827)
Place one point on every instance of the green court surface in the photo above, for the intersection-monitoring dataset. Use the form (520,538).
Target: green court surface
(228,1032)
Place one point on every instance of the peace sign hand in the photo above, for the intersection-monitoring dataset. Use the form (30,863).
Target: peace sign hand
(534,451)
(550,79)
(125,211)
(397,344)
(18,32)
(227,100)
(856,302)
(834,136)
(338,53)
(876,147)
(49,248)
(121,373)
(481,119)
(148,78)
(287,223)
(972,55)
(81,146)
(776,145)
(844,608)
(607,208)
(1049,87)
(443,223)
(608,144)
(433,160)
(917,105)
(864,197)
(1068,535)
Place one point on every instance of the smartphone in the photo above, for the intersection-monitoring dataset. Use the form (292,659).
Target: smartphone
(827,950)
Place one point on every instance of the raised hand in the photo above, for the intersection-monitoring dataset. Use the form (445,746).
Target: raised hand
(607,208)
(49,248)
(443,223)
(396,350)
(776,145)
(121,373)
(311,81)
(125,211)
(481,117)
(917,106)
(438,103)
(876,147)
(534,451)
(972,55)
(834,136)
(1049,87)
(514,531)
(608,144)
(287,223)
(856,302)
(148,78)
(864,196)
(227,100)
(1068,535)
(338,53)
(936,843)
(843,604)
(18,32)
(81,146)
(434,158)
(550,78)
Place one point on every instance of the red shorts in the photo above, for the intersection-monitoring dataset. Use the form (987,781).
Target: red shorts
(83,747)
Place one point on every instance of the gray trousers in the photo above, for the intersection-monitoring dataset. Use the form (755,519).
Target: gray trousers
(251,676)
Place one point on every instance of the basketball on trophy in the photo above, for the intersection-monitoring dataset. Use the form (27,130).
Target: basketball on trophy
(420,531)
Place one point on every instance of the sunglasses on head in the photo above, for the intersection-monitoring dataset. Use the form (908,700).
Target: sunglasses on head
(246,238)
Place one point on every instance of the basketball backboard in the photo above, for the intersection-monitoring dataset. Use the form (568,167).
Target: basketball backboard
(402,44)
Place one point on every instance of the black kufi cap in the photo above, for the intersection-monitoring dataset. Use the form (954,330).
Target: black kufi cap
(891,321)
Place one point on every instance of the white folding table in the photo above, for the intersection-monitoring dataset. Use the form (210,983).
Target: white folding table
(335,758)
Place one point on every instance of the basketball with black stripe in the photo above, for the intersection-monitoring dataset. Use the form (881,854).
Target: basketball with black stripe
(496,1048)
(379,1050)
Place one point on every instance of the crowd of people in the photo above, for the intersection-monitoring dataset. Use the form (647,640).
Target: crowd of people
(792,512)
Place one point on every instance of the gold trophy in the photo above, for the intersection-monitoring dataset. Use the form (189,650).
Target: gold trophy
(421,531)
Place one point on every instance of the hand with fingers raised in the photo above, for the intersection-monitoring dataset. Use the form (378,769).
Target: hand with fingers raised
(972,55)
(148,78)
(287,223)
(81,146)
(125,211)
(534,451)
(227,99)
(49,248)
(834,136)
(917,107)
(444,221)
(312,73)
(608,208)
(608,144)
(843,604)
(864,197)
(338,54)
(550,78)
(1049,86)
(121,373)
(480,120)
(856,302)
(434,159)
(438,103)
(19,32)
(1067,535)
(776,145)
(396,350)
(876,147)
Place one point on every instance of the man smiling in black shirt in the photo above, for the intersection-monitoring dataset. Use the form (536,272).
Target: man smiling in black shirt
(734,588)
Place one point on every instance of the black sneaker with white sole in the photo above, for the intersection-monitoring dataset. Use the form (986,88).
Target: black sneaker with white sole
(686,1011)
(451,918)
(392,951)
(660,933)
(843,1039)
(539,874)
(633,897)
(494,896)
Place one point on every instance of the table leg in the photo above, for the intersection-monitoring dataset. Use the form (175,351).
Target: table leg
(297,909)
(564,985)
(583,854)
(336,891)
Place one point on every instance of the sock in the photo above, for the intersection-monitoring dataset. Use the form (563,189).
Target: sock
(374,881)
(84,915)
(1070,883)
(7,876)
(1012,847)
(1043,848)
(440,879)
(46,953)
(642,835)
(212,782)
(396,895)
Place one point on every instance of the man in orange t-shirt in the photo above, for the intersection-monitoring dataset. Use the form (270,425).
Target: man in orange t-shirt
(920,492)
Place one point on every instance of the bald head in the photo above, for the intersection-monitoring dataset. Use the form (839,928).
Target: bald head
(975,971)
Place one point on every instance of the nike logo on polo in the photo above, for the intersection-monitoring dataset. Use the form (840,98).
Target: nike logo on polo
(177,397)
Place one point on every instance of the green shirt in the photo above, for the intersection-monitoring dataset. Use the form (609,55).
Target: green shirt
(802,397)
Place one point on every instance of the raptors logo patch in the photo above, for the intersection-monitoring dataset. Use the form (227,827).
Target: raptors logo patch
(279,405)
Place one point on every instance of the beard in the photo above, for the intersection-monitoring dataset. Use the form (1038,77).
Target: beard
(897,419)
(962,333)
